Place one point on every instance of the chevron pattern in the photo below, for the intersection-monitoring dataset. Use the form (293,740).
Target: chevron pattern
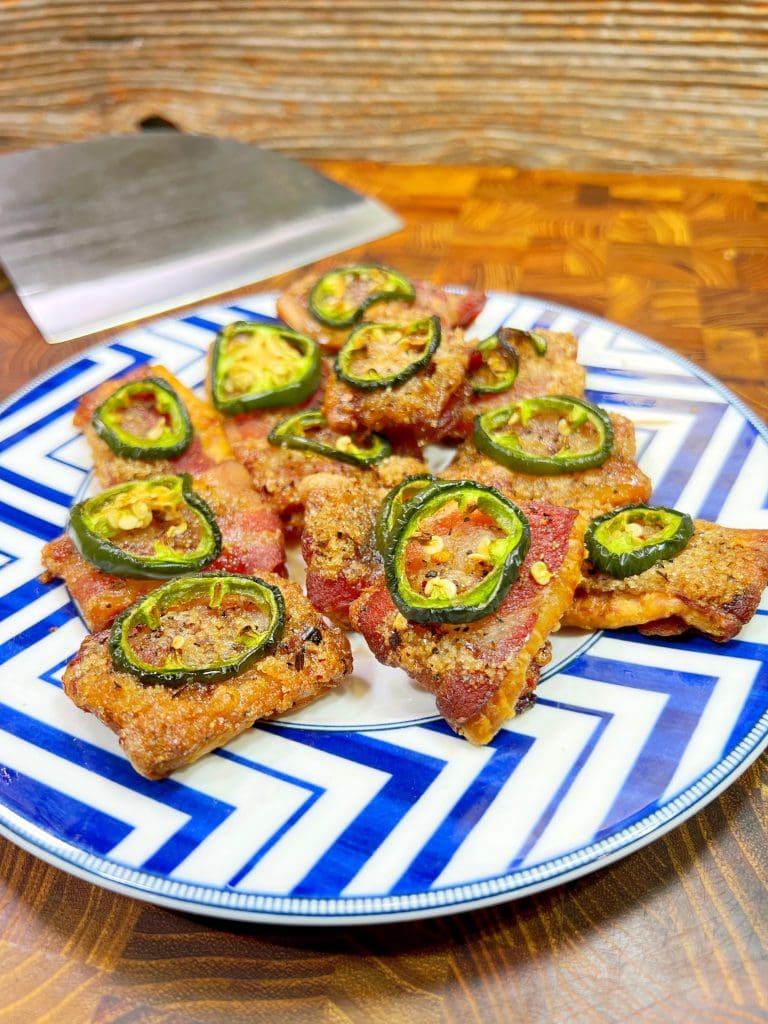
(365,806)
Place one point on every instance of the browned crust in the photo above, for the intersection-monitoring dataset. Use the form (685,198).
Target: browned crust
(713,586)
(161,728)
(426,407)
(619,481)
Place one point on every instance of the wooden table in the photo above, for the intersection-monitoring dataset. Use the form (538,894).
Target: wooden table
(674,933)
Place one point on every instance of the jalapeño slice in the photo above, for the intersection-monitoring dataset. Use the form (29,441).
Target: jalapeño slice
(545,436)
(146,529)
(340,297)
(392,506)
(201,628)
(515,336)
(384,355)
(628,540)
(261,366)
(498,365)
(455,553)
(308,432)
(144,419)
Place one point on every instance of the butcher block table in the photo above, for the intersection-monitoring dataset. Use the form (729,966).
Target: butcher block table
(675,932)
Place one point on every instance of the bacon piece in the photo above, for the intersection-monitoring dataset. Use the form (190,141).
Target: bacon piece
(454,309)
(209,444)
(162,728)
(713,586)
(338,542)
(251,534)
(425,408)
(619,481)
(555,373)
(480,671)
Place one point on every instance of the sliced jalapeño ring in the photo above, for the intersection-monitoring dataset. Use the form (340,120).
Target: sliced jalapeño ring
(262,366)
(202,628)
(297,432)
(628,540)
(144,419)
(545,436)
(384,355)
(496,363)
(392,506)
(340,297)
(146,529)
(455,552)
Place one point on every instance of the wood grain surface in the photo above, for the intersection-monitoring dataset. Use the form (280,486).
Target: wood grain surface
(671,934)
(587,84)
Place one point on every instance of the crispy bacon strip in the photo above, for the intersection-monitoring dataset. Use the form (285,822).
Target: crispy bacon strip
(338,542)
(480,672)
(454,309)
(555,373)
(209,442)
(619,481)
(252,541)
(161,728)
(424,408)
(713,586)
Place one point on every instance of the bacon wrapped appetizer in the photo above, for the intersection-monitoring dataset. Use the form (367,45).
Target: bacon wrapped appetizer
(327,303)
(657,569)
(513,364)
(125,542)
(473,586)
(555,448)
(303,444)
(196,662)
(407,379)
(147,423)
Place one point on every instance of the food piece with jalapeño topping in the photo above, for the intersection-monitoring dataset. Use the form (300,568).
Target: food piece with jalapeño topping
(548,435)
(144,419)
(340,297)
(236,619)
(454,553)
(146,529)
(307,431)
(384,355)
(629,540)
(262,366)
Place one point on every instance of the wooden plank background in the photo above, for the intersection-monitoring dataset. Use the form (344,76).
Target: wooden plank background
(641,85)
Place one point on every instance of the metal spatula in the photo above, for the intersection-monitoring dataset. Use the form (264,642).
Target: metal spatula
(96,234)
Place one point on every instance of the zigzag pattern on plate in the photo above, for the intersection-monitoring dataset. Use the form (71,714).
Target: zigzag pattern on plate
(628,736)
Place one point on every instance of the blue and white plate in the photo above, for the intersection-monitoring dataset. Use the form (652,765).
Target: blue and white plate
(364,806)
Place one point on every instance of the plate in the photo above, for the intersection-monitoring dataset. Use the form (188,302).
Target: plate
(365,807)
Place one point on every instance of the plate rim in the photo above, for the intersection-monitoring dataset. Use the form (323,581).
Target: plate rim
(320,911)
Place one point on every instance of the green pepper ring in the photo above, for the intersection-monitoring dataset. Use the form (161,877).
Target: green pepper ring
(494,588)
(344,355)
(401,288)
(513,457)
(638,558)
(111,558)
(393,505)
(286,394)
(287,434)
(141,611)
(131,446)
(490,344)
